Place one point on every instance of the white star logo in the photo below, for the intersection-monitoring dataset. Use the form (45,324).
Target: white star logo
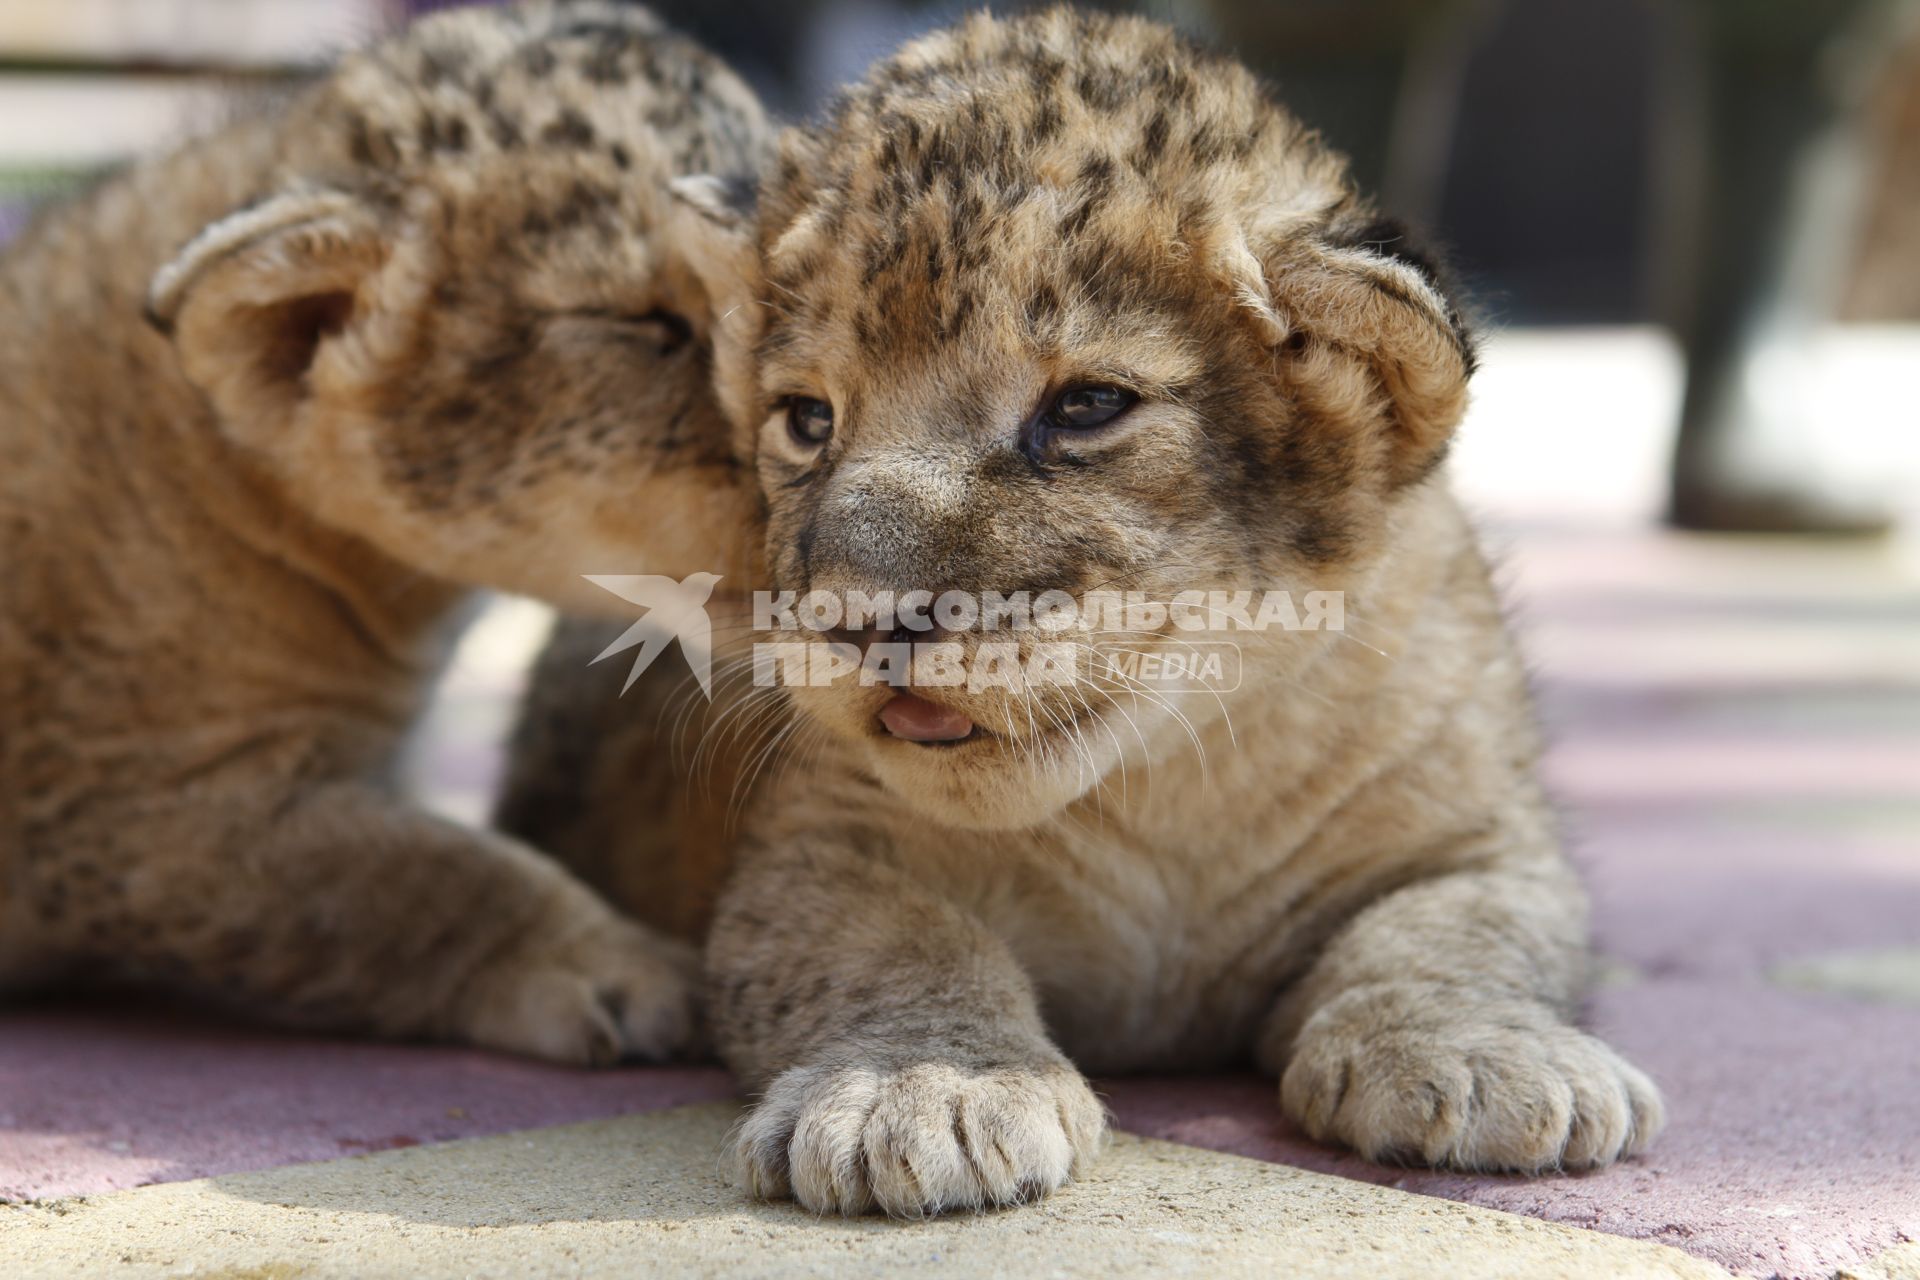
(675,611)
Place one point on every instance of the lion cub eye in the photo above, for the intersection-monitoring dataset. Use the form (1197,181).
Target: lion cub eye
(668,331)
(1084,407)
(809,421)
(674,330)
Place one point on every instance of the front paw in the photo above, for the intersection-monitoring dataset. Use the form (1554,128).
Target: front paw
(610,992)
(1425,1073)
(920,1139)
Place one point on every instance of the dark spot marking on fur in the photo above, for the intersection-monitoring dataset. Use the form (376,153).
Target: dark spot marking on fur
(435,134)
(1076,217)
(954,321)
(1321,537)
(1153,139)
(1043,310)
(594,26)
(502,365)
(603,65)
(1101,89)
(585,203)
(374,148)
(882,255)
(1046,120)
(1096,176)
(569,129)
(622,158)
(360,141)
(1174,85)
(506,134)
(1310,468)
(1205,145)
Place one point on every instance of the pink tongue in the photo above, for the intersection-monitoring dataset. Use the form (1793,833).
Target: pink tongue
(918,720)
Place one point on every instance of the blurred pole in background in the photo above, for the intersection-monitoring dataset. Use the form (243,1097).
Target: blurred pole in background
(1766,178)
(1341,66)
(1885,282)
(1879,302)
(1383,80)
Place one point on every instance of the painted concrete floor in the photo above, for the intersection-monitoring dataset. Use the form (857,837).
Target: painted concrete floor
(643,1195)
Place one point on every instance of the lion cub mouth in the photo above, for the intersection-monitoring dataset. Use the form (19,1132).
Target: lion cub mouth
(914,719)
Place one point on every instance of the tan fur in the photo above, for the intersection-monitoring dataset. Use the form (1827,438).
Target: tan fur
(640,793)
(423,330)
(1343,869)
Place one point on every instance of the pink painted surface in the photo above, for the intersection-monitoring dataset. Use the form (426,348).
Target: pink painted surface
(1793,1145)
(99,1097)
(1741,762)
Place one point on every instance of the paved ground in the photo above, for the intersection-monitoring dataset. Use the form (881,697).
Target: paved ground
(579,1201)
(1737,739)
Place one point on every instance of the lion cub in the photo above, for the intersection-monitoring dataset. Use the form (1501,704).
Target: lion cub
(269,408)
(1061,304)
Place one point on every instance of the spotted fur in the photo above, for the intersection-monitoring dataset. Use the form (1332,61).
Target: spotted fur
(1342,869)
(269,407)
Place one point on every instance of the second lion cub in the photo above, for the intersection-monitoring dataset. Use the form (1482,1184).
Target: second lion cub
(424,330)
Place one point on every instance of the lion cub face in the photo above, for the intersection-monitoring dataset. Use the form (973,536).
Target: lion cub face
(461,327)
(1062,304)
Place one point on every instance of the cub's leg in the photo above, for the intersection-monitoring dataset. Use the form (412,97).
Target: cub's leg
(1436,1028)
(349,910)
(895,1044)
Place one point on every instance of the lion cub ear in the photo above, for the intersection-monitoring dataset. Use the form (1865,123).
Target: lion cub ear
(252,298)
(712,229)
(1365,325)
